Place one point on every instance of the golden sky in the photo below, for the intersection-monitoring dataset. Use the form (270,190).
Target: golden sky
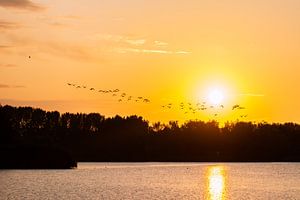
(167,51)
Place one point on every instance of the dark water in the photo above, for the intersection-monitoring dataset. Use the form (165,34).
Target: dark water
(215,181)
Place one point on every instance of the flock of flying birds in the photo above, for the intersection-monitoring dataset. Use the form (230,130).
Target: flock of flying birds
(187,108)
(114,92)
(194,108)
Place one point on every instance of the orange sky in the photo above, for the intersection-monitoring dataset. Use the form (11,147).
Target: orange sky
(167,51)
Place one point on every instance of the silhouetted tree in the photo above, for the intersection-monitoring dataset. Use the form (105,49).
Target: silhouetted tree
(92,137)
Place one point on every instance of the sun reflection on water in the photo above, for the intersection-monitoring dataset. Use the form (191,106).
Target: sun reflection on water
(216,183)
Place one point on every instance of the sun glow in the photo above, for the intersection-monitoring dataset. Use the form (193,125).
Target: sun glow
(216,96)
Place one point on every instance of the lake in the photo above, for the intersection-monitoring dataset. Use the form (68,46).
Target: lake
(214,181)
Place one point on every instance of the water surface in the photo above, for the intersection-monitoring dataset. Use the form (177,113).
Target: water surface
(214,181)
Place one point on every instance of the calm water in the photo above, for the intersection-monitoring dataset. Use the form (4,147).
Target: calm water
(155,181)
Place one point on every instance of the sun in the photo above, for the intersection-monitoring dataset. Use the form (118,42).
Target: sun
(215,96)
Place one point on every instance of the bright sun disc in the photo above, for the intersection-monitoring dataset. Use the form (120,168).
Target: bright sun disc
(215,97)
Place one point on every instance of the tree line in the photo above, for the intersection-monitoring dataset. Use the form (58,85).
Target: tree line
(94,137)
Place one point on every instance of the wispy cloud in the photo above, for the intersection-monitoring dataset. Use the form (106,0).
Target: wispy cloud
(7,65)
(183,52)
(136,42)
(125,44)
(150,51)
(21,4)
(3,86)
(160,43)
(8,25)
(155,51)
(5,46)
(121,39)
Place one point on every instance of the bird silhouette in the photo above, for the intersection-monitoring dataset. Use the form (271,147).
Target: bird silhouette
(235,106)
(92,88)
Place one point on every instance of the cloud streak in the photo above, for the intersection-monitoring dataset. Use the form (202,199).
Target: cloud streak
(125,44)
(160,43)
(8,65)
(3,86)
(21,4)
(8,25)
(136,42)
(149,51)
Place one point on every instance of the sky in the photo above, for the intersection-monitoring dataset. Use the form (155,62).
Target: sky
(166,51)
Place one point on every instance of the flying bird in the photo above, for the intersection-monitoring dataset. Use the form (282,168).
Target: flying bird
(235,106)
(92,88)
